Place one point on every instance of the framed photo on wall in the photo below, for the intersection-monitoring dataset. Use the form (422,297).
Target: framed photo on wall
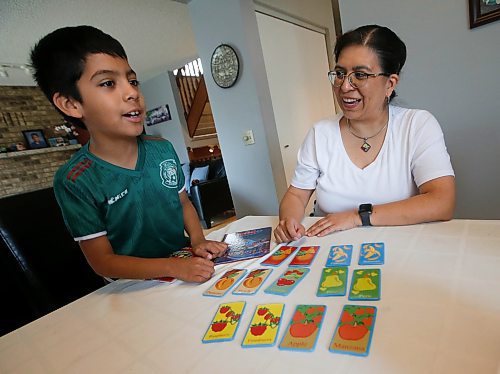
(35,139)
(157,115)
(483,11)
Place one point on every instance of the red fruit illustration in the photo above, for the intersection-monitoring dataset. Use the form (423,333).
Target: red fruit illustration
(350,332)
(258,330)
(262,311)
(224,309)
(367,321)
(299,330)
(218,326)
(285,282)
(267,316)
(346,317)
(359,311)
(299,316)
(317,319)
(310,310)
(370,310)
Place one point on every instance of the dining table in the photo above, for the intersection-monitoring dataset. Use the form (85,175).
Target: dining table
(439,312)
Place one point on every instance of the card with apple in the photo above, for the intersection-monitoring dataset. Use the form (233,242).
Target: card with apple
(303,331)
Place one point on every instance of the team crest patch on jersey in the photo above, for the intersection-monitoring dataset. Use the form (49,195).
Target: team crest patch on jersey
(168,173)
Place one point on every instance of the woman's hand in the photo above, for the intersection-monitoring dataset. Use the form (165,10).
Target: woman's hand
(209,249)
(289,230)
(334,222)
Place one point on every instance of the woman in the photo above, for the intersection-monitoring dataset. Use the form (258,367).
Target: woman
(374,164)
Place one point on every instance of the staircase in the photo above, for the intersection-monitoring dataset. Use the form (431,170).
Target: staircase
(194,98)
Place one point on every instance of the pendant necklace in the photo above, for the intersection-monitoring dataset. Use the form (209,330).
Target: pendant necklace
(365,147)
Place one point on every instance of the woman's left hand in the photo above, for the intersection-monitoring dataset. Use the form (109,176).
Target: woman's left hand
(209,249)
(334,222)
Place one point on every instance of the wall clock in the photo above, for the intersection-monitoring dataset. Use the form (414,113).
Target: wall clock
(225,66)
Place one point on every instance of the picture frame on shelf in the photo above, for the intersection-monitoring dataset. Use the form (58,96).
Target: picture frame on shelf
(35,139)
(57,141)
(482,12)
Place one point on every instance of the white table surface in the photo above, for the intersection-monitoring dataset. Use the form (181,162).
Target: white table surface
(439,313)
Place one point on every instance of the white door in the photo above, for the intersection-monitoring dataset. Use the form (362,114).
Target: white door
(296,63)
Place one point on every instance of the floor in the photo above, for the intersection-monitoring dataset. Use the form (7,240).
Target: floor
(220,223)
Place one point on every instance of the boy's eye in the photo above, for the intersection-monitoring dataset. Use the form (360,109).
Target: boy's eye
(134,82)
(360,75)
(107,84)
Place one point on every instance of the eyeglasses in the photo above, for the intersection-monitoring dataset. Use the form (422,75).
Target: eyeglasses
(356,79)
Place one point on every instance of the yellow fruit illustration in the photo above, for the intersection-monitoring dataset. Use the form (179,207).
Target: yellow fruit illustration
(339,254)
(363,284)
(371,253)
(331,281)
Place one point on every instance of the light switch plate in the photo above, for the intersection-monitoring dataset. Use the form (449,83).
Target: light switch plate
(248,137)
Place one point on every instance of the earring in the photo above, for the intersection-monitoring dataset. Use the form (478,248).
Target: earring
(387,99)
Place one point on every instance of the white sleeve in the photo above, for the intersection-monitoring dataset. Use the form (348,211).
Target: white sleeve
(307,171)
(430,158)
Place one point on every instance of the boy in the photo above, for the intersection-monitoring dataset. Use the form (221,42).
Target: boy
(122,195)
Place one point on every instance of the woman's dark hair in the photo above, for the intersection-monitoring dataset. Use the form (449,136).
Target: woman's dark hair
(59,60)
(389,48)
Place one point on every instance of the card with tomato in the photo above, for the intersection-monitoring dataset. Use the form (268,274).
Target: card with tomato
(253,282)
(303,331)
(280,255)
(365,284)
(372,254)
(305,256)
(287,281)
(225,322)
(225,283)
(333,282)
(264,327)
(354,331)
(340,255)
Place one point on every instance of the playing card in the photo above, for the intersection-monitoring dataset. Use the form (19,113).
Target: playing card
(225,283)
(303,331)
(371,254)
(264,327)
(333,281)
(254,280)
(280,255)
(225,322)
(340,255)
(305,256)
(354,331)
(287,281)
(365,284)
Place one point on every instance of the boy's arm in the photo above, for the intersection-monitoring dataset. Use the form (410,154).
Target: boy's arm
(106,263)
(201,247)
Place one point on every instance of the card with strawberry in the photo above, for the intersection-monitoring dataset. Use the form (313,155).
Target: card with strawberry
(340,255)
(333,281)
(354,331)
(365,284)
(287,281)
(372,254)
(253,282)
(305,256)
(264,327)
(225,322)
(225,283)
(303,331)
(280,255)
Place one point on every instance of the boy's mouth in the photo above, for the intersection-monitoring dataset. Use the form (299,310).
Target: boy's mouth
(133,114)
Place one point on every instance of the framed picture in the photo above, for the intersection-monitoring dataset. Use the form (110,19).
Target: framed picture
(483,11)
(157,115)
(57,142)
(35,139)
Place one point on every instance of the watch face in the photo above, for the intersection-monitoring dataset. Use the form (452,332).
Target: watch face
(225,66)
(365,208)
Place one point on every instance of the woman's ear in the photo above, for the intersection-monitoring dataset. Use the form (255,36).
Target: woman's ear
(68,105)
(392,82)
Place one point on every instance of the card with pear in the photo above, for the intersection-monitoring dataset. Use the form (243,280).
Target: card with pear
(333,281)
(365,284)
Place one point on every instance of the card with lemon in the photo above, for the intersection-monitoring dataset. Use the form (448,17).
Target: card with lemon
(372,254)
(365,284)
(333,282)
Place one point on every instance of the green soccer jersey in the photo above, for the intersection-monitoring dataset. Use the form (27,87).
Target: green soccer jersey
(138,210)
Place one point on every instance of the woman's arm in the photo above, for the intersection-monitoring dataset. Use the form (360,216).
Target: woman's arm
(292,208)
(435,202)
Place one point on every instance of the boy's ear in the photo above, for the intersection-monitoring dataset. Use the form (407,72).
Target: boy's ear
(68,105)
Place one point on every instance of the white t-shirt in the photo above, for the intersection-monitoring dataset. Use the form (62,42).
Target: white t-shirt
(413,153)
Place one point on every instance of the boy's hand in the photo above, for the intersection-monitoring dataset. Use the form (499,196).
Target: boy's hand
(209,249)
(192,269)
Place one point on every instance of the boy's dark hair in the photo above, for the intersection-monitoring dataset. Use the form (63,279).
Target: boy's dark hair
(389,48)
(59,60)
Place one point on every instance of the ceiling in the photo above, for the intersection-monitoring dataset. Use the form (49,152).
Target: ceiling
(156,34)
